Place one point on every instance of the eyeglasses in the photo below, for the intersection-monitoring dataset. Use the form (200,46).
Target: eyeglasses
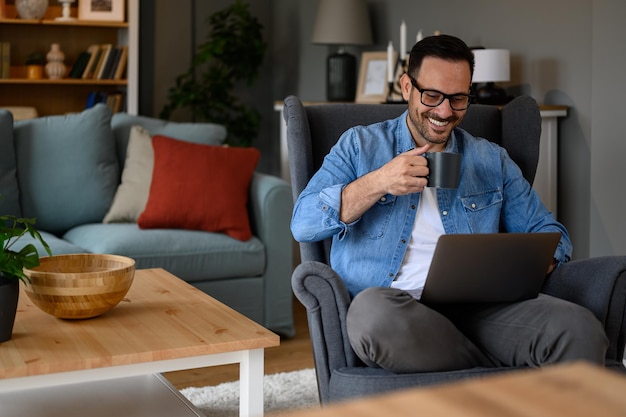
(433,98)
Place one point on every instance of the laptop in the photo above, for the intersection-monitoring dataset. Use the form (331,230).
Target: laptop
(496,267)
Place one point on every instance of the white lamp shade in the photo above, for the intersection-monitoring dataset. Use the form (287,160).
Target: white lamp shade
(491,65)
(343,22)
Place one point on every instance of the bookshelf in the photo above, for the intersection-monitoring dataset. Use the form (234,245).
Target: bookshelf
(66,95)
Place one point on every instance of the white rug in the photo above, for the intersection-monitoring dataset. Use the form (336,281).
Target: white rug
(282,391)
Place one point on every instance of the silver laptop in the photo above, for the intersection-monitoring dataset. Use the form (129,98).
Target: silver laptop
(498,267)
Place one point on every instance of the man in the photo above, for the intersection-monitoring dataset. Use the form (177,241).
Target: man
(370,196)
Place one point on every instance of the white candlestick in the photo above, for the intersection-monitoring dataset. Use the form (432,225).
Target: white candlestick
(402,41)
(419,36)
(390,68)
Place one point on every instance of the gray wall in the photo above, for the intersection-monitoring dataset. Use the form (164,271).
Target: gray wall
(566,52)
(174,40)
(608,88)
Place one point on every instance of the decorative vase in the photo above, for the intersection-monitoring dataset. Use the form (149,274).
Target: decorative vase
(55,69)
(31,9)
(9,293)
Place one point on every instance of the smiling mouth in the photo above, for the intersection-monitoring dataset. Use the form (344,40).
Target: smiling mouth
(439,123)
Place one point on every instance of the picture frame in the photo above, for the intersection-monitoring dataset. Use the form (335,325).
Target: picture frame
(373,86)
(102,10)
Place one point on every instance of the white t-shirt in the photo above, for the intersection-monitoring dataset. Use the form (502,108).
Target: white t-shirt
(426,230)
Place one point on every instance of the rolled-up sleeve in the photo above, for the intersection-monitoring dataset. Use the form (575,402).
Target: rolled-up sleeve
(316,215)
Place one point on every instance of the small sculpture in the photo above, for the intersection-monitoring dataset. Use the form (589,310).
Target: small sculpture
(55,69)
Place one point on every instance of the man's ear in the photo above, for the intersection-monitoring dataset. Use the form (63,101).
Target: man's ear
(405,86)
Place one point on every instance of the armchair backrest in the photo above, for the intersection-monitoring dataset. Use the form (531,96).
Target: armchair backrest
(312,130)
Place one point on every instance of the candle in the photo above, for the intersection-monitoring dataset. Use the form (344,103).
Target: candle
(419,36)
(402,41)
(390,62)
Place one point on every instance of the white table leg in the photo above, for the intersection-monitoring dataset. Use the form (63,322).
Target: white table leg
(251,383)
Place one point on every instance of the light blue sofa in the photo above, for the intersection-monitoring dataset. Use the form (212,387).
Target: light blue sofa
(64,171)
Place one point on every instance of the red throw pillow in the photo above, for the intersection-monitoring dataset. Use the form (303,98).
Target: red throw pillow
(200,187)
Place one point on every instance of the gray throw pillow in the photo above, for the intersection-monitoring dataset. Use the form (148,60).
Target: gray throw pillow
(204,133)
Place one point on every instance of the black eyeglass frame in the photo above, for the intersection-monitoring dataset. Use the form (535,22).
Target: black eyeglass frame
(444,96)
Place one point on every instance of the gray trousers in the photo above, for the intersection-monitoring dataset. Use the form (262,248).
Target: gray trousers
(388,328)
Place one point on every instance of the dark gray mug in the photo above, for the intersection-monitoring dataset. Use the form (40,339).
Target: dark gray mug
(445,169)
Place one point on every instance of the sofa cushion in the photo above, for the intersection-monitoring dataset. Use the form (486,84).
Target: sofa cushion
(9,191)
(67,169)
(57,245)
(132,194)
(207,133)
(191,255)
(200,187)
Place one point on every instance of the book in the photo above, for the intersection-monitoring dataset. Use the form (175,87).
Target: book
(114,102)
(5,60)
(91,99)
(94,50)
(79,65)
(118,56)
(121,65)
(95,97)
(104,55)
(109,64)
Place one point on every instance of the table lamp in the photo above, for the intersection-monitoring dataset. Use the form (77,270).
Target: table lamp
(491,66)
(341,22)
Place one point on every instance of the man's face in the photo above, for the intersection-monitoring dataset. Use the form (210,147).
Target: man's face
(433,125)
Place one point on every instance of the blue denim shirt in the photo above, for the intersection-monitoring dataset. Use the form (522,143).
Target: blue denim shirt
(493,196)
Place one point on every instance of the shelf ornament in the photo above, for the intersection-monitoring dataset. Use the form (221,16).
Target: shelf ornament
(31,9)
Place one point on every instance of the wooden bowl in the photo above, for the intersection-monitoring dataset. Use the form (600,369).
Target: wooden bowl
(79,286)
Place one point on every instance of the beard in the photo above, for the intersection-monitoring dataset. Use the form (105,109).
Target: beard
(425,129)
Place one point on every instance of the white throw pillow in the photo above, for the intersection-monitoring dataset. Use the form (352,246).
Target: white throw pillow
(132,194)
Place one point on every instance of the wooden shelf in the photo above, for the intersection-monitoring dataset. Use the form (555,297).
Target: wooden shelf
(67,95)
(64,81)
(52,22)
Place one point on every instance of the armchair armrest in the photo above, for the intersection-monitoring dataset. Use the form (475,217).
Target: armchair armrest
(326,299)
(598,284)
(270,209)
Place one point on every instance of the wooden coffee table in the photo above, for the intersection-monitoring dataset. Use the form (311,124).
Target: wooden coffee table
(163,325)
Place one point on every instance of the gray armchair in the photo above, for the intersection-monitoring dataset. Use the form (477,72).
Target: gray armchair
(598,283)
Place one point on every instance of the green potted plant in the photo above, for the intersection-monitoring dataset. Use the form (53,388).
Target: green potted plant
(12,264)
(233,53)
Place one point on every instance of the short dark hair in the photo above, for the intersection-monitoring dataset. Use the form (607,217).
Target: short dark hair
(441,46)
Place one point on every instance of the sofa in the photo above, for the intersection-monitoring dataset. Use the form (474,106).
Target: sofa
(163,193)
